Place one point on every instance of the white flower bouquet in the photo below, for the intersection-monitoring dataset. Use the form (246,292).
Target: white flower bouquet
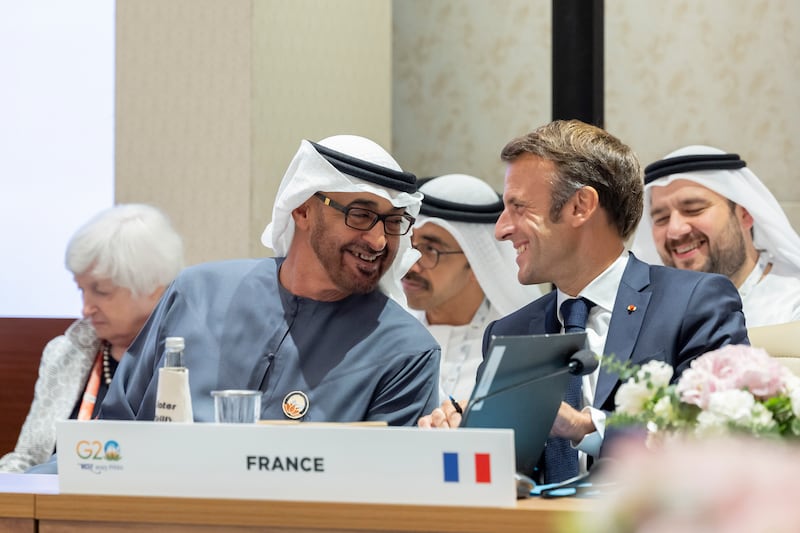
(736,389)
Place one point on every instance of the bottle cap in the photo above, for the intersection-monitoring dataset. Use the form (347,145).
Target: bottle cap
(174,343)
(173,352)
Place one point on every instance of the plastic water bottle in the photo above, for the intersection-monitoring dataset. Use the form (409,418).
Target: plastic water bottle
(173,397)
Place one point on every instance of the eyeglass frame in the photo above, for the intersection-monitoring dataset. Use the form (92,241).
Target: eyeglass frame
(438,253)
(330,202)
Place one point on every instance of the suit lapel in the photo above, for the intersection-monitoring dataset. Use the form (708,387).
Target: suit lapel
(627,316)
(546,321)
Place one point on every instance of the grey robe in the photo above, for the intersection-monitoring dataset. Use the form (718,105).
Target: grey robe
(360,358)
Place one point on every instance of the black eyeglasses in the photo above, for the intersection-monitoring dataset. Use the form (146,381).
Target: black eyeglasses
(430,255)
(364,219)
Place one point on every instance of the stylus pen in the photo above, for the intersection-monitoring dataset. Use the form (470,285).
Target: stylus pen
(455,404)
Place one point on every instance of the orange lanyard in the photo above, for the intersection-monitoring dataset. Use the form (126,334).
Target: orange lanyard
(92,388)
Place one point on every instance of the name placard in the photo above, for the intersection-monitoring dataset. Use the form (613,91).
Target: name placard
(469,467)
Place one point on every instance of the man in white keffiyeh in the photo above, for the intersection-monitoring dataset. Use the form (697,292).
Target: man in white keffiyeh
(345,164)
(465,277)
(709,212)
(317,321)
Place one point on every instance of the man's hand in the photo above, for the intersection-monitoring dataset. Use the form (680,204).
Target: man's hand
(445,416)
(571,424)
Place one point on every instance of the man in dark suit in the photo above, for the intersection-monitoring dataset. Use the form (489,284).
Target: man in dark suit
(573,194)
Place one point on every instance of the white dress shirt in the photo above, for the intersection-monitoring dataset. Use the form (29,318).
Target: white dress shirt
(603,292)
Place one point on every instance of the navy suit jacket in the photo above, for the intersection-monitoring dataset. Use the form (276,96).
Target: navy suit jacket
(679,315)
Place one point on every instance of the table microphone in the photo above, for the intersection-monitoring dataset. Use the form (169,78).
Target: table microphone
(581,363)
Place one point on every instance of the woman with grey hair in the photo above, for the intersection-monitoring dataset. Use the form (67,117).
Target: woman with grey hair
(122,260)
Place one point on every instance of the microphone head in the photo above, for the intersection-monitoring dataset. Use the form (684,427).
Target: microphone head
(583,362)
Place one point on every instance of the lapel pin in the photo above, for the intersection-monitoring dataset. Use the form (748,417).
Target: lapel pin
(631,309)
(295,405)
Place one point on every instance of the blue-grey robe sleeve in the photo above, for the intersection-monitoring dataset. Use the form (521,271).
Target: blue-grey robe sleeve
(362,358)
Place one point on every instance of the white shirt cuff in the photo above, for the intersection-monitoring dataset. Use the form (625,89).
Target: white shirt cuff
(591,443)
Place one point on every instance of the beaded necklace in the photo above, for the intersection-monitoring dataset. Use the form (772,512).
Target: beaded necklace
(107,362)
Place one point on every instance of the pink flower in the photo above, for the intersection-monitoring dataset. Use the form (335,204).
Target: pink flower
(732,367)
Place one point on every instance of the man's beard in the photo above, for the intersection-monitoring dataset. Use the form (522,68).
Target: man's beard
(728,257)
(726,254)
(331,255)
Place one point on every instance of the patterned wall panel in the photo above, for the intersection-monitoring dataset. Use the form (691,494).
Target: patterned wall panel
(468,75)
(718,72)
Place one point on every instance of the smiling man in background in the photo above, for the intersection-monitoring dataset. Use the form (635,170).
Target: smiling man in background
(708,212)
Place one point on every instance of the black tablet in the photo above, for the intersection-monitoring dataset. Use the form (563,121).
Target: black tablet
(521,387)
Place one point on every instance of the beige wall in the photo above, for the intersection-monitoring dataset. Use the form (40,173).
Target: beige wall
(183,120)
(213,96)
(320,68)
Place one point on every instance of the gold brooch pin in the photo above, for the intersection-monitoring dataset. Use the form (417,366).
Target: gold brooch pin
(631,309)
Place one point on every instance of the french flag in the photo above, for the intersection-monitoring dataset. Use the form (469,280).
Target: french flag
(483,467)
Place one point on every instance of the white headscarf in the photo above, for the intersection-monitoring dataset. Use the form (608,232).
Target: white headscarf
(772,231)
(493,261)
(310,172)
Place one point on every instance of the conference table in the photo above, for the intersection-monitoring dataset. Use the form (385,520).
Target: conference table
(17,513)
(54,513)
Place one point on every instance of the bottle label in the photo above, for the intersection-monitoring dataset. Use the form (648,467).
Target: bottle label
(173,398)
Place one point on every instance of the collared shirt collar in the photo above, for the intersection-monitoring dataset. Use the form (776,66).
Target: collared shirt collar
(602,290)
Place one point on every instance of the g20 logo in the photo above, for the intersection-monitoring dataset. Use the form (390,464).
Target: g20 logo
(98,451)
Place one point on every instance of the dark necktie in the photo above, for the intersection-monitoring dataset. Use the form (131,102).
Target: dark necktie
(560,459)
